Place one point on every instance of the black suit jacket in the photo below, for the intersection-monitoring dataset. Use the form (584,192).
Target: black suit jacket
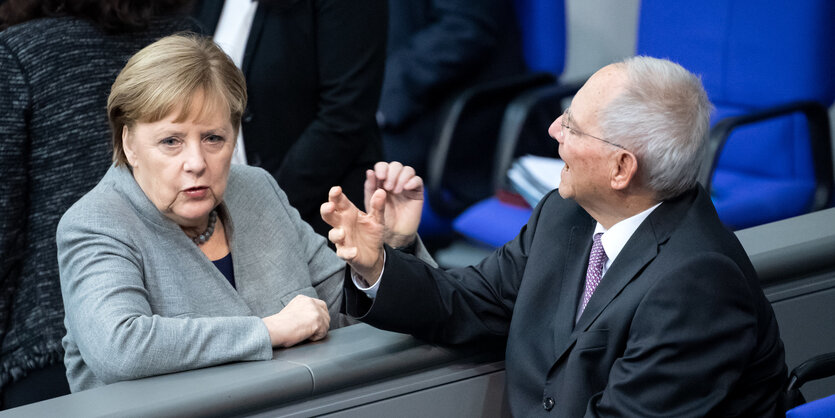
(314,70)
(436,49)
(439,47)
(679,325)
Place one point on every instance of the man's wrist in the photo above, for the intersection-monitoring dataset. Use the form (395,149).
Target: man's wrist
(401,242)
(363,284)
(377,270)
(370,275)
(409,248)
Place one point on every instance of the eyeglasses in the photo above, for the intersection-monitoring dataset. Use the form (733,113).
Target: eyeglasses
(566,116)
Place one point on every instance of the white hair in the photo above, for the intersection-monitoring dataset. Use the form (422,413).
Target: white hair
(662,116)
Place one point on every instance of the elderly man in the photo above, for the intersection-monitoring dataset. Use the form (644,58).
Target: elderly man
(623,295)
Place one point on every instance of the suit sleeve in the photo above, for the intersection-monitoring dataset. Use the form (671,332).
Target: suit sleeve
(680,360)
(350,45)
(14,153)
(458,40)
(110,318)
(452,306)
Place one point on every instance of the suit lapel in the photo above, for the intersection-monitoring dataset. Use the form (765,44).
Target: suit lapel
(641,248)
(577,250)
(639,251)
(254,37)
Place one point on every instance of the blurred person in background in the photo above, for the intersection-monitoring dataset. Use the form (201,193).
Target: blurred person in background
(436,49)
(313,69)
(58,59)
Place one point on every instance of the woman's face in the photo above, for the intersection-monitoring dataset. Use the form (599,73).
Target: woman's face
(183,166)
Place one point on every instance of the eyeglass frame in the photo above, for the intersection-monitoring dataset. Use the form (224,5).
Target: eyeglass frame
(563,126)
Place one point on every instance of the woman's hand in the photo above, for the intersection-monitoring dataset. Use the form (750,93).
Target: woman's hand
(403,203)
(304,318)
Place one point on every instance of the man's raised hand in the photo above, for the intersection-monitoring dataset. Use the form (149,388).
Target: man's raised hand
(358,236)
(403,202)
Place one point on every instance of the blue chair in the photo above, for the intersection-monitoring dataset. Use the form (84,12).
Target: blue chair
(768,68)
(821,408)
(496,220)
(542,23)
(815,368)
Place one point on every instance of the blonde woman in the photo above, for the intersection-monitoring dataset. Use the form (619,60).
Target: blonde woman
(179,260)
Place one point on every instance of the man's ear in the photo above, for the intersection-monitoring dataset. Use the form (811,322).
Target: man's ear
(127,146)
(624,170)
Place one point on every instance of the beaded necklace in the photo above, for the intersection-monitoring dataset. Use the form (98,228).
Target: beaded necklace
(210,229)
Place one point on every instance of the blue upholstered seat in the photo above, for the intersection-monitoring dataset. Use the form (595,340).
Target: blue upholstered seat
(821,408)
(542,25)
(491,222)
(543,34)
(752,56)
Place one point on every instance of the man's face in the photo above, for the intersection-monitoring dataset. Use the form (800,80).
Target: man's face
(588,162)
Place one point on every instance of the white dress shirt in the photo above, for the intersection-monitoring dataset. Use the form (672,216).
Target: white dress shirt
(231,35)
(614,239)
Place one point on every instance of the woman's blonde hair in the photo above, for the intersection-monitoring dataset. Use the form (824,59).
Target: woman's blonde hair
(165,77)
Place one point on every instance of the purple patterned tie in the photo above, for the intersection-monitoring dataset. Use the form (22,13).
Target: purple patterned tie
(595,271)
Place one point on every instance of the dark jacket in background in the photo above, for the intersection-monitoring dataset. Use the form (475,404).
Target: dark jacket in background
(436,49)
(313,70)
(55,76)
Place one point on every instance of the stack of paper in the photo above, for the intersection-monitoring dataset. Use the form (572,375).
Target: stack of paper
(533,176)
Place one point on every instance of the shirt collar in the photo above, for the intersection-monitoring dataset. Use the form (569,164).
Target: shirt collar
(615,238)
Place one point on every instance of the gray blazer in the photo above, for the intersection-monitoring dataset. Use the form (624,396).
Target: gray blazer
(141,299)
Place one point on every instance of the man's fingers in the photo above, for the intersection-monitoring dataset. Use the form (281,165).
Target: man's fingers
(394,170)
(405,174)
(346,253)
(327,208)
(380,171)
(340,201)
(333,193)
(369,186)
(336,236)
(378,206)
(328,213)
(414,184)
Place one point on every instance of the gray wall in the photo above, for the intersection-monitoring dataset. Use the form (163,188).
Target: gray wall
(599,32)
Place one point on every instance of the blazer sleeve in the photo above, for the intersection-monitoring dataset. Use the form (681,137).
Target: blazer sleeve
(675,337)
(111,321)
(14,143)
(350,47)
(326,269)
(452,46)
(452,306)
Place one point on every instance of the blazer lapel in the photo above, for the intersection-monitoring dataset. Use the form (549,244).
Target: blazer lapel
(247,279)
(170,232)
(577,258)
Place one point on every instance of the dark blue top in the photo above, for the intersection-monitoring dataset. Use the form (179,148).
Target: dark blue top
(225,267)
